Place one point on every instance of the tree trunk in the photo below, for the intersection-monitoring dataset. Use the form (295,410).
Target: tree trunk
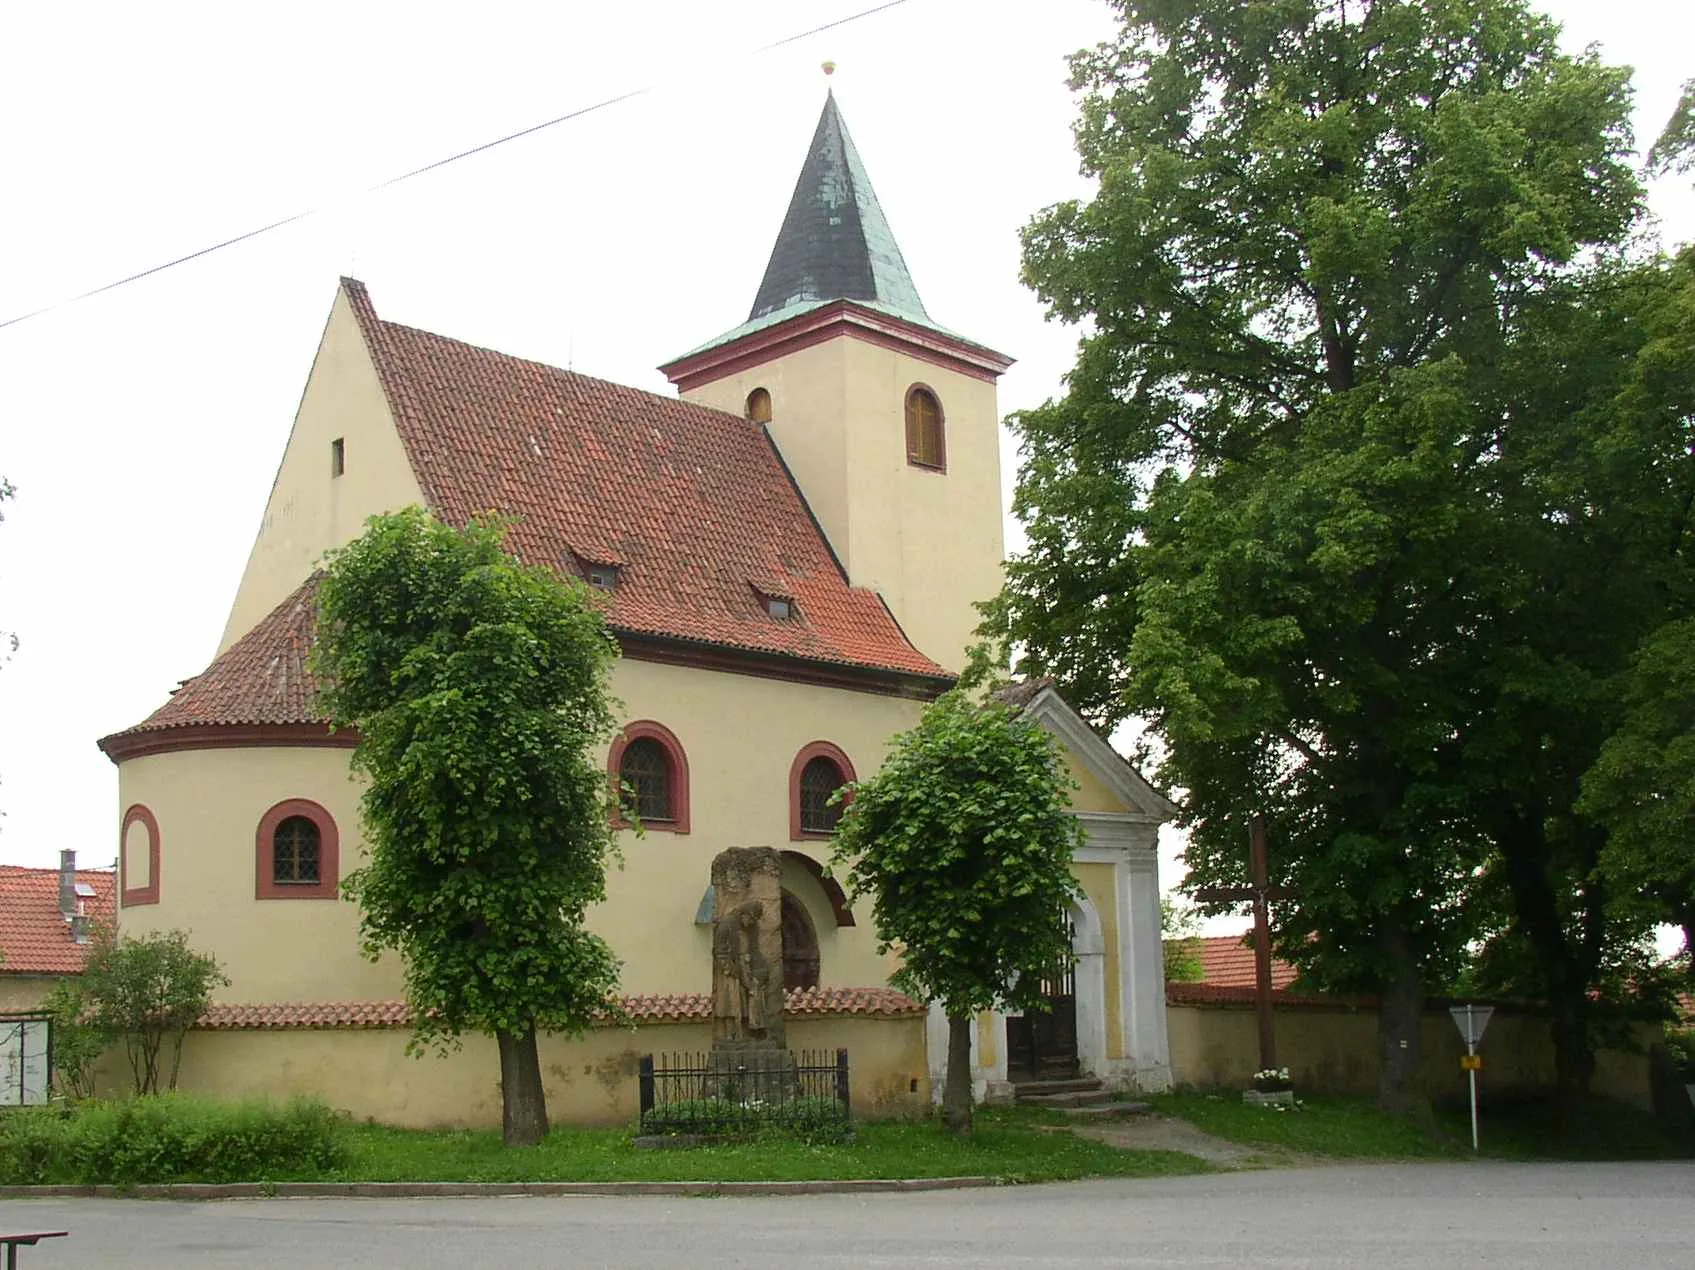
(523,1104)
(1400,1018)
(956,1094)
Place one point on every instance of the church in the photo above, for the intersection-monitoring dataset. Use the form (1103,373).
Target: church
(789,550)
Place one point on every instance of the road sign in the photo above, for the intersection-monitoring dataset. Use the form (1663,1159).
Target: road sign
(1471,1020)
(1471,1062)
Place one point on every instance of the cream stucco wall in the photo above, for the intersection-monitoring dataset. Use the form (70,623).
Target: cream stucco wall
(208,804)
(739,735)
(310,510)
(929,542)
(1329,1050)
(589,1080)
(22,993)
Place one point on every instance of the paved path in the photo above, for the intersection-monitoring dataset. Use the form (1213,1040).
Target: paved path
(1384,1217)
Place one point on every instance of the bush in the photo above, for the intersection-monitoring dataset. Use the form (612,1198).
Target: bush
(807,1118)
(1681,1043)
(169,1138)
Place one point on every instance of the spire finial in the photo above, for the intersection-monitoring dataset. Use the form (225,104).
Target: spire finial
(829,69)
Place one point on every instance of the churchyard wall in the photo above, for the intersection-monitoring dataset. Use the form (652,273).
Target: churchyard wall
(590,1080)
(1330,1047)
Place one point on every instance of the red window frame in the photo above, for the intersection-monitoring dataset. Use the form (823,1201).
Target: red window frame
(265,885)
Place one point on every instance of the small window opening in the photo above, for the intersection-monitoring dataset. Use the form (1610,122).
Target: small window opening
(779,607)
(296,852)
(759,405)
(926,444)
(338,456)
(603,577)
(819,781)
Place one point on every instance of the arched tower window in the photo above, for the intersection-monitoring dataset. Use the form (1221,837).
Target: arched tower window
(818,771)
(297,853)
(926,437)
(759,405)
(647,761)
(800,946)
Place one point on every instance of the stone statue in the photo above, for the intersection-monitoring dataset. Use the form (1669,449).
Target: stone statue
(747,950)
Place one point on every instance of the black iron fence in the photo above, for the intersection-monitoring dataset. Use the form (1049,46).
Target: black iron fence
(719,1094)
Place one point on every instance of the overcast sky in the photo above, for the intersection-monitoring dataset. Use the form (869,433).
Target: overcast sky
(142,428)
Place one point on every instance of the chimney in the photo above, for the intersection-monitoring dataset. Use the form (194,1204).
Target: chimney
(67,883)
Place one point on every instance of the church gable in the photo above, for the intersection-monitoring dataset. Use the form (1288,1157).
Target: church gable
(343,464)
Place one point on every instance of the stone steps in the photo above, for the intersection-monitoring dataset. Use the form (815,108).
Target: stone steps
(1084,1098)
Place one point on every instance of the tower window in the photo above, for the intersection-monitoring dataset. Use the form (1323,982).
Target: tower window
(759,405)
(294,853)
(926,441)
(299,853)
(338,456)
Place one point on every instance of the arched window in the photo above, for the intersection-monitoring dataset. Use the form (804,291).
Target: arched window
(294,856)
(298,853)
(648,764)
(759,405)
(817,772)
(800,946)
(138,858)
(926,440)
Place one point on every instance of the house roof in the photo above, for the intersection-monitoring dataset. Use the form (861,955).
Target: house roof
(35,939)
(1227,961)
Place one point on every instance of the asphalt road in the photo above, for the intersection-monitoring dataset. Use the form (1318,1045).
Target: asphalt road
(1381,1217)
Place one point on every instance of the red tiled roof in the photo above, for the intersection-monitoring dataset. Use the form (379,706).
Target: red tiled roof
(35,939)
(260,679)
(1227,961)
(694,505)
(677,1008)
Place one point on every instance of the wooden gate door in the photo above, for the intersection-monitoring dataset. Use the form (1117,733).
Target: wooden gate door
(1042,1045)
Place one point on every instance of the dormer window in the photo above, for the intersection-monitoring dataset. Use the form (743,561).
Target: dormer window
(759,405)
(602,577)
(781,607)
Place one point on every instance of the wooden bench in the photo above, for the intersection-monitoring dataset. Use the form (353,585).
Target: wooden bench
(12,1242)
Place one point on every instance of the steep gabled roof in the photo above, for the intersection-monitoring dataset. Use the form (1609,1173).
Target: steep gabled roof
(694,506)
(35,939)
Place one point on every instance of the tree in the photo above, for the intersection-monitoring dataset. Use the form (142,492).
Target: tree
(964,842)
(144,991)
(1268,513)
(479,690)
(76,1043)
(1674,151)
(1180,940)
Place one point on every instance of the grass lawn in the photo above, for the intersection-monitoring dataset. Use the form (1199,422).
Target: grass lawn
(1353,1128)
(1007,1145)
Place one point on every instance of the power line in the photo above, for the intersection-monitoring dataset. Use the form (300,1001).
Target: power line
(428,167)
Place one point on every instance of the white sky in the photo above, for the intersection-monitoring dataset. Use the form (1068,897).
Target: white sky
(142,428)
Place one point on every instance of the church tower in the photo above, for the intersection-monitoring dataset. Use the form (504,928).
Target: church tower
(886,420)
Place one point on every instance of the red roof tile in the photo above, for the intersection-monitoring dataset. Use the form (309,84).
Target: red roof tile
(1227,961)
(260,679)
(35,939)
(694,505)
(673,1008)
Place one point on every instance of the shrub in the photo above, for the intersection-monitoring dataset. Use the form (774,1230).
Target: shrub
(144,992)
(168,1138)
(1681,1043)
(806,1118)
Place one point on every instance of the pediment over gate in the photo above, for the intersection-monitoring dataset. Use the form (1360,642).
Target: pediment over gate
(1108,782)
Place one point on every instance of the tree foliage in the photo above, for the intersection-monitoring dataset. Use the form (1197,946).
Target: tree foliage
(144,992)
(1674,151)
(964,841)
(479,689)
(1282,510)
(77,1044)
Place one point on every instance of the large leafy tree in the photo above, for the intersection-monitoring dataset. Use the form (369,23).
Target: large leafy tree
(1268,513)
(964,841)
(479,690)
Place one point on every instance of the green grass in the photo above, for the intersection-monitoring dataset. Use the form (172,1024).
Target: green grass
(1006,1146)
(1353,1128)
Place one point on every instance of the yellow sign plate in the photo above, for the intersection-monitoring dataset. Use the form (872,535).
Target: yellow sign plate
(1471,1062)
